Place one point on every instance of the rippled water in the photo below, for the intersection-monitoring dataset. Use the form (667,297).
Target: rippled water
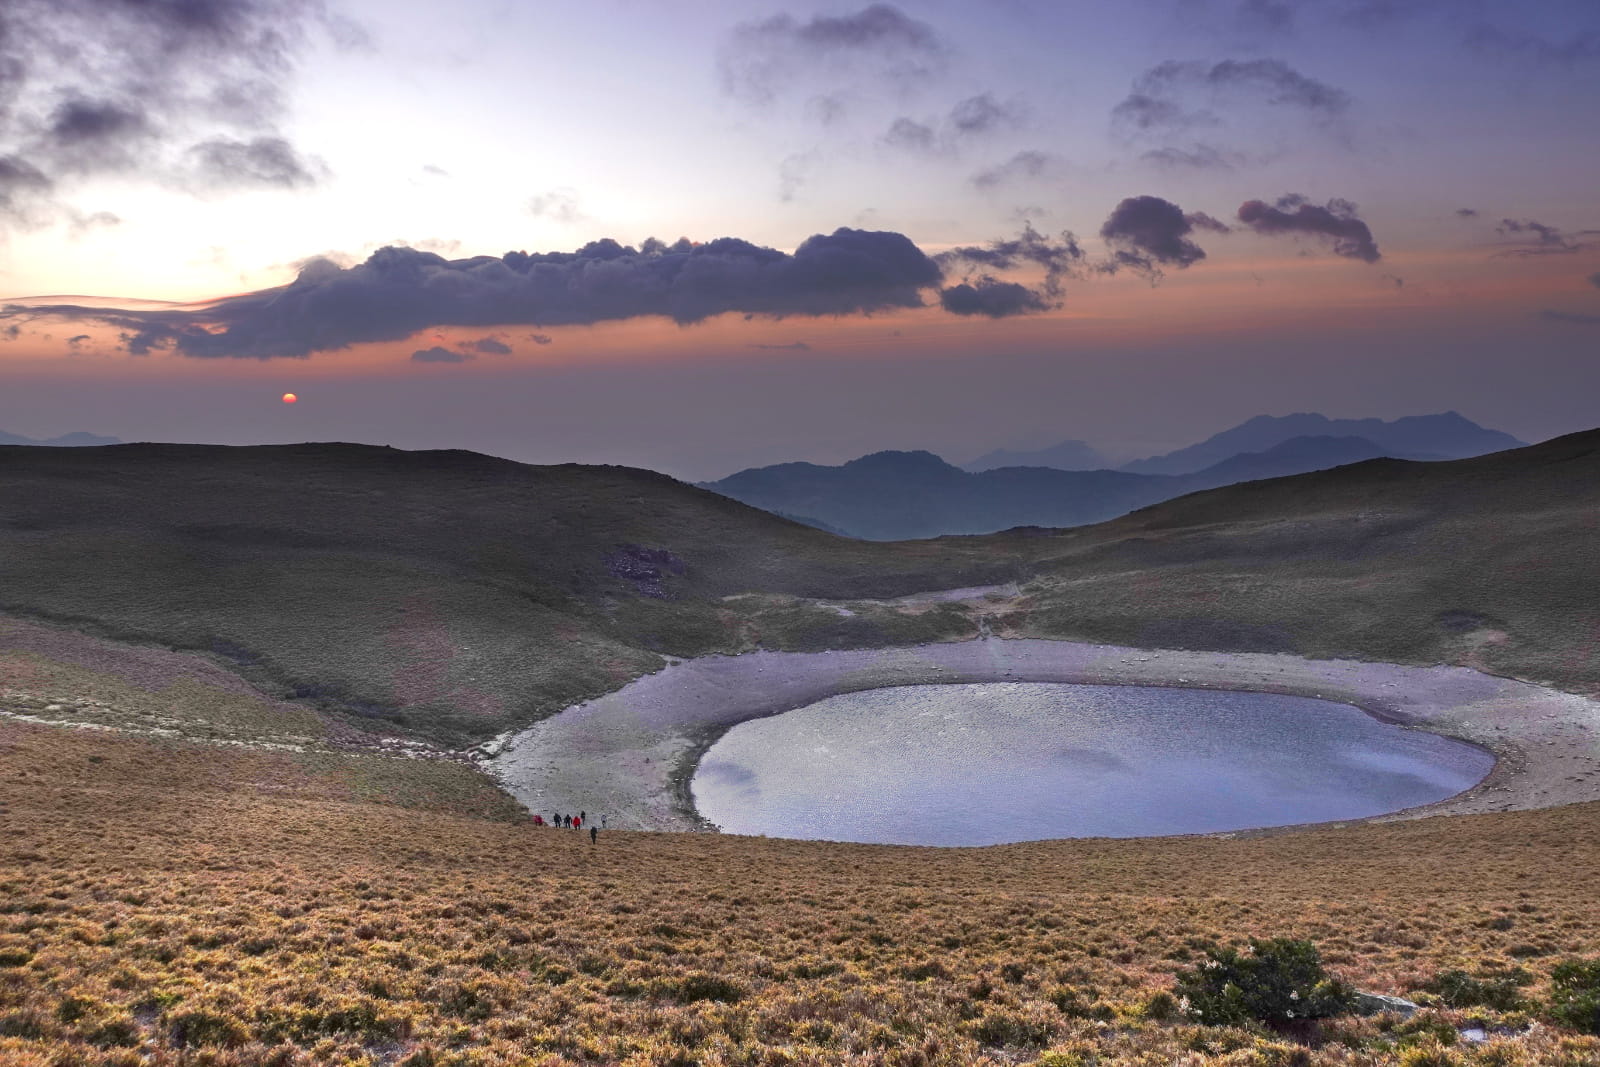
(984,764)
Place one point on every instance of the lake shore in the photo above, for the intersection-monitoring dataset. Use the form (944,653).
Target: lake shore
(631,754)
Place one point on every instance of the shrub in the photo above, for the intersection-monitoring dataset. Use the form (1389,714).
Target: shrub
(1458,989)
(1006,1026)
(1160,1006)
(1275,981)
(1575,994)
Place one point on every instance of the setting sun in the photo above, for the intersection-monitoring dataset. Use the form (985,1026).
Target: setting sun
(290,398)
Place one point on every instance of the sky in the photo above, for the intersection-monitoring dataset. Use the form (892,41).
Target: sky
(704,236)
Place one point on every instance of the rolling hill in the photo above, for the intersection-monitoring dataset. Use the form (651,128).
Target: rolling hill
(447,590)
(459,595)
(1491,562)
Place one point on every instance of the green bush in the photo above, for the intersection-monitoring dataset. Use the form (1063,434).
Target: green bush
(1458,989)
(1575,994)
(1275,981)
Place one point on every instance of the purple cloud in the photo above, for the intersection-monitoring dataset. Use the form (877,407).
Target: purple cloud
(1146,233)
(398,292)
(1336,223)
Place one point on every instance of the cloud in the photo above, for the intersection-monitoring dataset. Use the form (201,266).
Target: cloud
(490,346)
(1542,240)
(1570,317)
(541,338)
(1337,222)
(187,94)
(1059,257)
(1195,157)
(912,136)
(1165,97)
(1265,16)
(1024,166)
(991,297)
(398,292)
(982,114)
(1594,279)
(1146,233)
(1578,48)
(1374,15)
(558,205)
(21,184)
(764,58)
(74,342)
(260,162)
(1202,115)
(792,346)
(794,172)
(1466,213)
(438,354)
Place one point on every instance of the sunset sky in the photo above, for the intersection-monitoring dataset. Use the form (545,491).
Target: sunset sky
(710,235)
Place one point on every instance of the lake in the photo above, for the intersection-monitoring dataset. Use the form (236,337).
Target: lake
(998,762)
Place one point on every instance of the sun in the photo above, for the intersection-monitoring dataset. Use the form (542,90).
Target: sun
(290,398)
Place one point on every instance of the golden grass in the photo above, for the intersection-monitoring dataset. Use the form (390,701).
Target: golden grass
(163,902)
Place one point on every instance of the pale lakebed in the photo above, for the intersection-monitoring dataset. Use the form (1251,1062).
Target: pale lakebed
(980,764)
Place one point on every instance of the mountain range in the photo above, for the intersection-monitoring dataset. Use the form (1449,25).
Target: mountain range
(1446,436)
(78,439)
(902,495)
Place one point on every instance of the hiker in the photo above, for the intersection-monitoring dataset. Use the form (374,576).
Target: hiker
(577,824)
(593,834)
(555,820)
(602,822)
(583,815)
(538,820)
(566,822)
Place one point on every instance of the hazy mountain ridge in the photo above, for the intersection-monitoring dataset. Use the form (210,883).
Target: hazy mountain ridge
(897,495)
(901,495)
(1445,436)
(1066,456)
(76,439)
(890,496)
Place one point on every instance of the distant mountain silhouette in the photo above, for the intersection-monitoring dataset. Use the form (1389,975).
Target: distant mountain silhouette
(1446,436)
(901,495)
(1067,456)
(890,496)
(78,439)
(1298,455)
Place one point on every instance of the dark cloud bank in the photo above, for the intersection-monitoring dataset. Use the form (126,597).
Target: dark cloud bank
(398,292)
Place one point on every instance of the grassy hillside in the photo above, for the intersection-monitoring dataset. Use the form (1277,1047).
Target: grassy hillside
(461,595)
(448,591)
(160,905)
(1492,562)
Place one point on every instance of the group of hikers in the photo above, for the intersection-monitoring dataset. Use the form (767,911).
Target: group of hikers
(571,822)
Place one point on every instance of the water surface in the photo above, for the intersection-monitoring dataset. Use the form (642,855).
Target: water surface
(997,762)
